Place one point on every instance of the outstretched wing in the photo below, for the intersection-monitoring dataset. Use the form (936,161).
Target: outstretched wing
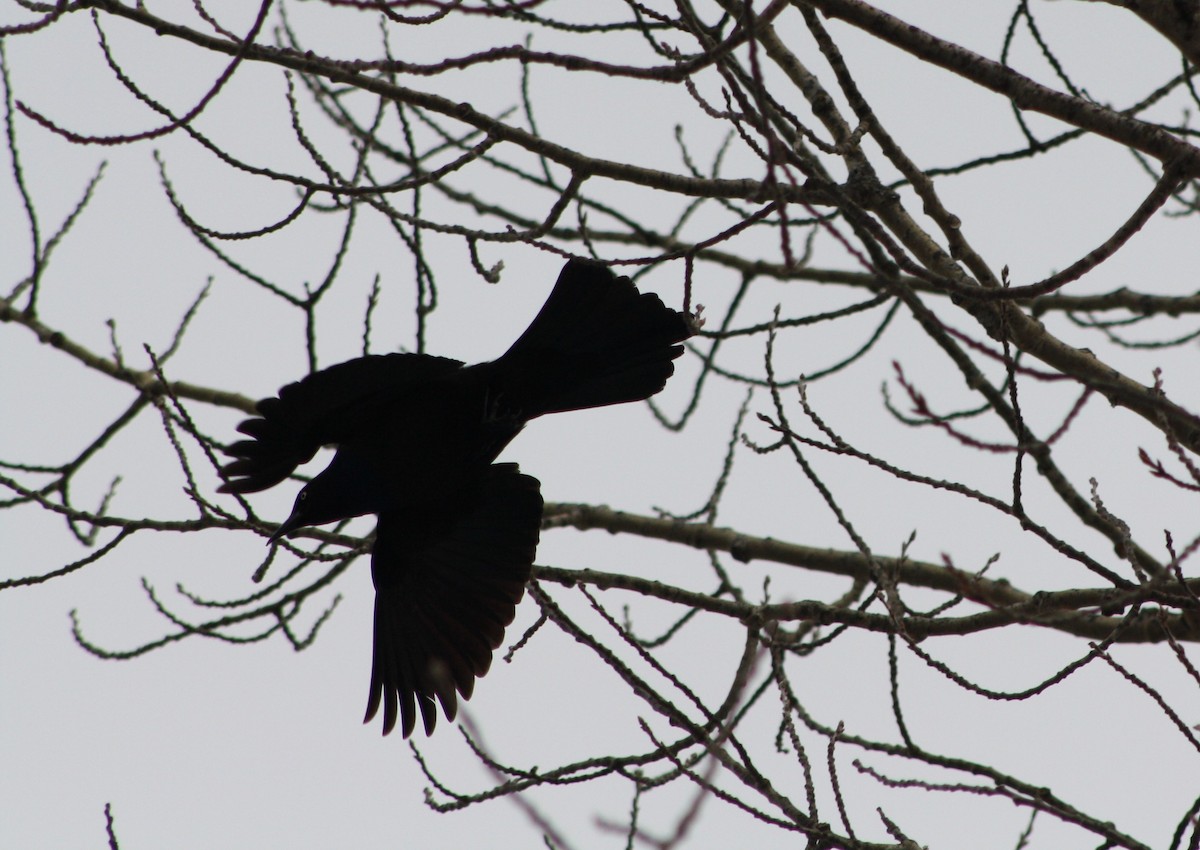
(448,577)
(316,411)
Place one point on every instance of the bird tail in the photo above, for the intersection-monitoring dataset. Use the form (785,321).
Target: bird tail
(596,341)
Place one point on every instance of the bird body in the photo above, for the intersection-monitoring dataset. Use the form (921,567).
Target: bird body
(417,437)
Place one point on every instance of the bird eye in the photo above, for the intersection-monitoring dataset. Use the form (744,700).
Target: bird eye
(303,495)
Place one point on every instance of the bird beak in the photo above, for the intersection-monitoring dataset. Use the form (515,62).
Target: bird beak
(287,527)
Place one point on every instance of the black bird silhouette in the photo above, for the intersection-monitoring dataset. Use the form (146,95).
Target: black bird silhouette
(416,438)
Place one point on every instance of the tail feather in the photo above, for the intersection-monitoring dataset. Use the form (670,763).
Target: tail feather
(597,341)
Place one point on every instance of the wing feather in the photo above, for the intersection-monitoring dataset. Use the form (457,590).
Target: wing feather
(448,578)
(321,409)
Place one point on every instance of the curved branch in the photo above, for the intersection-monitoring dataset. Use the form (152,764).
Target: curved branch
(1060,610)
(1021,90)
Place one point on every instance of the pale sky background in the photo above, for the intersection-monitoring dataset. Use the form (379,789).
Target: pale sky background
(203,744)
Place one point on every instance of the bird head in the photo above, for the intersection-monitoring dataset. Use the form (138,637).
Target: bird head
(304,512)
(342,491)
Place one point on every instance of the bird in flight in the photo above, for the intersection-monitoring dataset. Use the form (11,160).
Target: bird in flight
(417,437)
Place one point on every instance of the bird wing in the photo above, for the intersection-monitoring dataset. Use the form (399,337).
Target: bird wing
(448,577)
(319,410)
(596,341)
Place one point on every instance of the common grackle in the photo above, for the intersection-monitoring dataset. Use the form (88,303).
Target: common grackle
(416,438)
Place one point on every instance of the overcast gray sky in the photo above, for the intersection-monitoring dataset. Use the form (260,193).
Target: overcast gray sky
(205,744)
